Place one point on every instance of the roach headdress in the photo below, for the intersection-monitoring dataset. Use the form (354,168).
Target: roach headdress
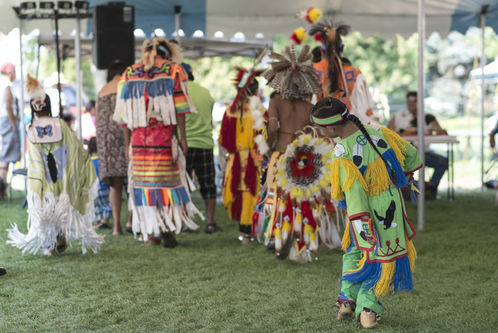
(243,80)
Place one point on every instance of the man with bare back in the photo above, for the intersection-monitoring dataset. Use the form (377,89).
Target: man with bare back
(295,82)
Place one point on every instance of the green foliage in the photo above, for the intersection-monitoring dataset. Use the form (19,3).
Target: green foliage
(47,65)
(389,66)
(217,74)
(211,283)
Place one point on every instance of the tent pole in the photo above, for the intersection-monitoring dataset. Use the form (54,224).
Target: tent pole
(77,51)
(178,13)
(483,91)
(57,53)
(21,102)
(420,110)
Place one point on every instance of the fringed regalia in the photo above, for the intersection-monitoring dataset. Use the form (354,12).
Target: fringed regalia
(301,214)
(353,89)
(148,103)
(62,186)
(241,135)
(362,184)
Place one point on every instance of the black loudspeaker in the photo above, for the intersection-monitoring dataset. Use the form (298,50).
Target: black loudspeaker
(112,25)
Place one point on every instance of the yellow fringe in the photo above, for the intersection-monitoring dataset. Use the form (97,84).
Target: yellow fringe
(227,194)
(377,177)
(375,170)
(411,252)
(248,203)
(383,286)
(346,238)
(397,143)
(245,132)
(361,262)
(352,175)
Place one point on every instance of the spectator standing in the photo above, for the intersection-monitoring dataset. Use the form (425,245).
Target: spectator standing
(199,128)
(88,121)
(10,142)
(111,149)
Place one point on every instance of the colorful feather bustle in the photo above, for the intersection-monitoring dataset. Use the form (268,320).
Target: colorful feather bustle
(304,208)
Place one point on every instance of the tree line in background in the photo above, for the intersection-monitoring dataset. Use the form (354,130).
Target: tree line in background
(390,67)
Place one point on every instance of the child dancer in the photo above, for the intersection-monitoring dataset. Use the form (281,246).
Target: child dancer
(367,172)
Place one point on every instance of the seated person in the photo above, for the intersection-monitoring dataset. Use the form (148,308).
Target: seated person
(405,123)
(492,142)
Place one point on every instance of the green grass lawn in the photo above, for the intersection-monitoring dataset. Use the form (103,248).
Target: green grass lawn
(211,283)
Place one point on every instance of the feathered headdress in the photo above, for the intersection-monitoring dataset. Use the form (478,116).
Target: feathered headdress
(243,79)
(39,101)
(325,31)
(151,48)
(311,16)
(291,75)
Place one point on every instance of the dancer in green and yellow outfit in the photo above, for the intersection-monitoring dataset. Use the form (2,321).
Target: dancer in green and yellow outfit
(369,168)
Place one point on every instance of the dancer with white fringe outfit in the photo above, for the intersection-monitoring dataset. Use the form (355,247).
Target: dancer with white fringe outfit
(62,185)
(152,102)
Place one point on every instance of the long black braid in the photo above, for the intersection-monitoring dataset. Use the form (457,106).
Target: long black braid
(357,122)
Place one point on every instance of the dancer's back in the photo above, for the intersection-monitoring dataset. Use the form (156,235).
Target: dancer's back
(291,116)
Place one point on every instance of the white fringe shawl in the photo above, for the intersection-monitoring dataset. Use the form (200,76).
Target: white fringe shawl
(52,216)
(133,113)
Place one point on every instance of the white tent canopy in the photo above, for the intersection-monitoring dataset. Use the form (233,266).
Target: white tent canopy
(490,72)
(383,17)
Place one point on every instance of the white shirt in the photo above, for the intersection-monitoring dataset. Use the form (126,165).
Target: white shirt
(402,120)
(4,84)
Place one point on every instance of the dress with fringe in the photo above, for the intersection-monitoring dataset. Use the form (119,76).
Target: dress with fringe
(62,186)
(148,103)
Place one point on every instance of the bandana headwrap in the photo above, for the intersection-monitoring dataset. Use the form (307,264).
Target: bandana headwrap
(329,111)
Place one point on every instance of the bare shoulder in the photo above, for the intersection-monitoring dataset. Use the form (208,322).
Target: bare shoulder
(109,88)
